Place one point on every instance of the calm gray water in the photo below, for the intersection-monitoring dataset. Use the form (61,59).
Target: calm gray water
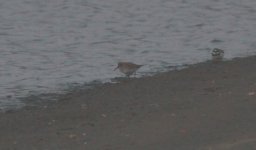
(48,45)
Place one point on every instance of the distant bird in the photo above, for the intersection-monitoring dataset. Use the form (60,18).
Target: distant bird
(127,68)
(217,54)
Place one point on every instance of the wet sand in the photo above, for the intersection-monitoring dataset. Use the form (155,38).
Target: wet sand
(207,106)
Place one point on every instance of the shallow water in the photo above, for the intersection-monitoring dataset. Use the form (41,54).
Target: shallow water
(48,46)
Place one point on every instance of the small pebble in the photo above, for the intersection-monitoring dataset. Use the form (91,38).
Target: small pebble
(84,134)
(72,136)
(251,93)
(104,115)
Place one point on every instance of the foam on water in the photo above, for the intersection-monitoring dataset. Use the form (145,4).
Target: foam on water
(48,45)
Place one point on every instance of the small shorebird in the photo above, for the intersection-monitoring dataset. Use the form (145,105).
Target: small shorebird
(217,54)
(127,68)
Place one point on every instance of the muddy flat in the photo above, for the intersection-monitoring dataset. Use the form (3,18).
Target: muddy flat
(207,106)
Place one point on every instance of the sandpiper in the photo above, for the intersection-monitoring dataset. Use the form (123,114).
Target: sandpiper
(217,54)
(127,68)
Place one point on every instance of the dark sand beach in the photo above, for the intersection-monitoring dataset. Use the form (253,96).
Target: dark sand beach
(207,106)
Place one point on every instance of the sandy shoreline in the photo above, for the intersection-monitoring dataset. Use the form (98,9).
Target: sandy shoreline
(206,106)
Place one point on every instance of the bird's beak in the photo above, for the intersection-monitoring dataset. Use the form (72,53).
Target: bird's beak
(115,68)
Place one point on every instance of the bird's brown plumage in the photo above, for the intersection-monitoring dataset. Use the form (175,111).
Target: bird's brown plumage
(127,68)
